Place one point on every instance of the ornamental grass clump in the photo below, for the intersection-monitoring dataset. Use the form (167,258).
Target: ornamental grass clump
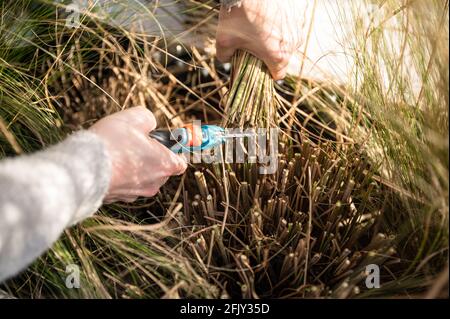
(308,230)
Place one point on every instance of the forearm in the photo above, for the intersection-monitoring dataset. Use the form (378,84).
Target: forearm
(43,193)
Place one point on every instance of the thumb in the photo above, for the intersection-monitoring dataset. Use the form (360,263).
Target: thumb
(226,44)
(224,52)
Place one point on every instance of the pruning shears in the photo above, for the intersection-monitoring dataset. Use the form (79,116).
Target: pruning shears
(191,138)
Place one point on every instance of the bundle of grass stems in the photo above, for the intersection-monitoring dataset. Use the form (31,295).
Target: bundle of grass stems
(335,204)
(252,100)
(308,230)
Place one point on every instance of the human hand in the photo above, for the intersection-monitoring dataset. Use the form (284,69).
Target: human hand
(140,165)
(269,29)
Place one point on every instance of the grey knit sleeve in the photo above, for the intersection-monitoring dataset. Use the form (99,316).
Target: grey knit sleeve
(43,193)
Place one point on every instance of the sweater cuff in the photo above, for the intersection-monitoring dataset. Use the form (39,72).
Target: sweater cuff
(85,157)
(99,175)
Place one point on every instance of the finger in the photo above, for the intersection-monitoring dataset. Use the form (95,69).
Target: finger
(173,164)
(151,189)
(177,164)
(226,40)
(225,55)
(278,74)
(277,65)
(273,53)
(129,199)
(140,118)
(181,165)
(109,200)
(150,192)
(225,48)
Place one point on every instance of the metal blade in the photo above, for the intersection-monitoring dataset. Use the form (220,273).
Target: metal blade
(238,135)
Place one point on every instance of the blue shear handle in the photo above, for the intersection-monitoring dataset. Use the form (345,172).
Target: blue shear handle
(212,135)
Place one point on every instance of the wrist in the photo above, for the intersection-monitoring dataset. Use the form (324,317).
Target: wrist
(85,157)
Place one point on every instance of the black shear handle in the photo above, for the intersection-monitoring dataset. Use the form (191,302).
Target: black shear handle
(164,137)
